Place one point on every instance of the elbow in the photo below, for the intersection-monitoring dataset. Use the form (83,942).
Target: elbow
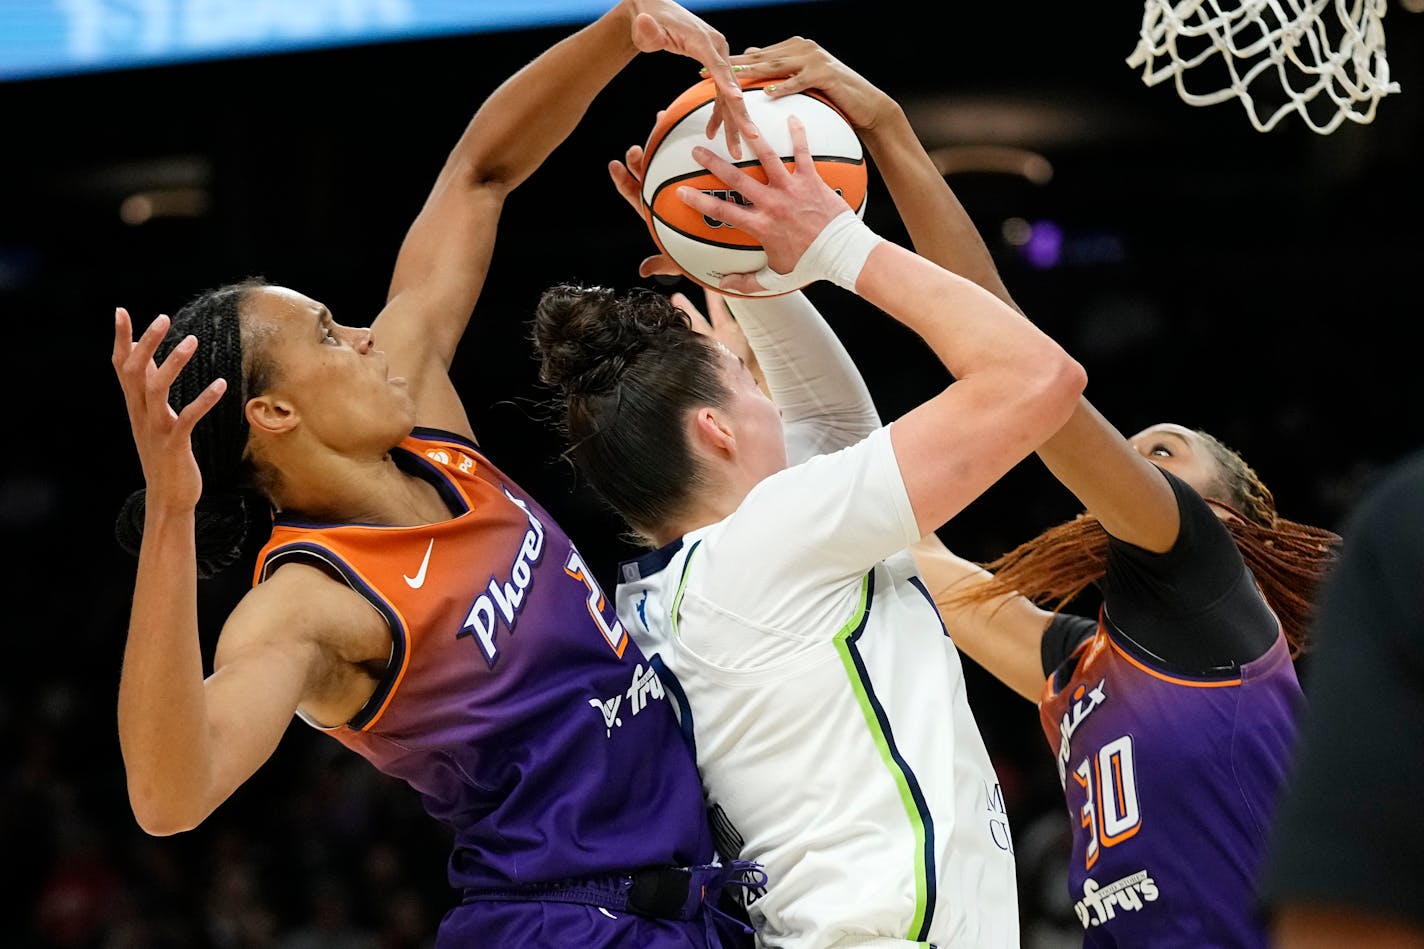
(157,822)
(159,817)
(1061,381)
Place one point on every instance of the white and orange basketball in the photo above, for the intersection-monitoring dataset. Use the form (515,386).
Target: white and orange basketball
(707,249)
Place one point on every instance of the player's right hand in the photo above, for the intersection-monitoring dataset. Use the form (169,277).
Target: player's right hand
(799,64)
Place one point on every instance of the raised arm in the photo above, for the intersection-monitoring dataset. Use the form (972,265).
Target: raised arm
(1088,454)
(1014,386)
(824,401)
(445,256)
(187,741)
(804,368)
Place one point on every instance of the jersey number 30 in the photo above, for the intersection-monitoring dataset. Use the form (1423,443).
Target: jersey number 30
(1110,812)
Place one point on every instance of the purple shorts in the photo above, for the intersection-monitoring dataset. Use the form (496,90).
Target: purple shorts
(494,925)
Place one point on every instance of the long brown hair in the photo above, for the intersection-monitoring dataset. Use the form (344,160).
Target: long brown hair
(628,370)
(1287,558)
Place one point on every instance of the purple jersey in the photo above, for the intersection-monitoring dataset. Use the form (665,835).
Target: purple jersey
(514,702)
(1173,721)
(1170,781)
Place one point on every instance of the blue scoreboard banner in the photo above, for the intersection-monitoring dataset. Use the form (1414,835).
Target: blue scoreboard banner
(41,38)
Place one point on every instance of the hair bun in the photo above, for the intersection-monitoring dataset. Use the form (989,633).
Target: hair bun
(586,337)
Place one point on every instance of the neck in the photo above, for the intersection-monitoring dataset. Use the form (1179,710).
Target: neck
(374,492)
(705,510)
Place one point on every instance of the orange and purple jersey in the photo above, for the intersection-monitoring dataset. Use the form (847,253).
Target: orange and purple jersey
(1171,776)
(514,701)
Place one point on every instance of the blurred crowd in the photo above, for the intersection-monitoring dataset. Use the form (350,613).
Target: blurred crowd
(320,851)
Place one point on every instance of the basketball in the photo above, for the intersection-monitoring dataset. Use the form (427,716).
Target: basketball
(707,249)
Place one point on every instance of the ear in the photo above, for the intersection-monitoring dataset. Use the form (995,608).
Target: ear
(266,413)
(712,432)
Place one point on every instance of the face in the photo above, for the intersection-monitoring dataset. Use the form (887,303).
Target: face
(331,378)
(1182,451)
(761,442)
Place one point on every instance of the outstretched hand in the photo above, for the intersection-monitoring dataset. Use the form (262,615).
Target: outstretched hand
(799,64)
(163,437)
(666,26)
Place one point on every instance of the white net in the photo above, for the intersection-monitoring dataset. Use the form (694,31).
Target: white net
(1323,59)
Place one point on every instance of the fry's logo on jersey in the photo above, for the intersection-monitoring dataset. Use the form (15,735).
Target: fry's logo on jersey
(1101,903)
(503,599)
(646,685)
(1084,701)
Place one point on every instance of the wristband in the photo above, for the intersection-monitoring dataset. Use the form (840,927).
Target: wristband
(837,254)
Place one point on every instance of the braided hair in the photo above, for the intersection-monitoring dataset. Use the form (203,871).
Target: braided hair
(230,501)
(1288,559)
(628,369)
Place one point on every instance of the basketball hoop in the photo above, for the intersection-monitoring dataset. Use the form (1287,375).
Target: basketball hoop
(1323,59)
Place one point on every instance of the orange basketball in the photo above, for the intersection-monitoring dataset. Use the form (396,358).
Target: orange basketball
(707,249)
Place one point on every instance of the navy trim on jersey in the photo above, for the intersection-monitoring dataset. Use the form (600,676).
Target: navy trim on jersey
(1140,653)
(650,563)
(911,782)
(440,435)
(684,707)
(919,585)
(303,550)
(415,463)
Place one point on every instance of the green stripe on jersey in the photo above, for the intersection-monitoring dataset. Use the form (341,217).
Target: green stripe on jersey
(859,685)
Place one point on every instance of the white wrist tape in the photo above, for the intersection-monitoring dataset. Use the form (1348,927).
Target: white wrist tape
(837,254)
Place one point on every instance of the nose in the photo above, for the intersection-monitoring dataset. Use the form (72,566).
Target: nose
(365,341)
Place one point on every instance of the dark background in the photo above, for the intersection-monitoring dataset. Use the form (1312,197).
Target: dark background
(1259,285)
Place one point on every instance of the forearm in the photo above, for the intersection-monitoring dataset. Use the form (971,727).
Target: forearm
(968,328)
(163,734)
(1002,635)
(535,109)
(445,255)
(1012,385)
(1087,446)
(824,401)
(939,227)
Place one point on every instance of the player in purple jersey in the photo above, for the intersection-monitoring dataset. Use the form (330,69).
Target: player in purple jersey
(1173,715)
(413,602)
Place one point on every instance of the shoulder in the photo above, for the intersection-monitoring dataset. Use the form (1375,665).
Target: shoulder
(301,607)
(832,487)
(828,518)
(1203,543)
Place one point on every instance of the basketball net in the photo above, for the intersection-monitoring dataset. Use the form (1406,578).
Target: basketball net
(1321,58)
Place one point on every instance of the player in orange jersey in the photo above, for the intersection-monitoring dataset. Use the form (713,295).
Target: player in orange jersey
(413,602)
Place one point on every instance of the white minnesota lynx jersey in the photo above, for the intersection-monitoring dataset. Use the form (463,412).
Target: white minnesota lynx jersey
(827,710)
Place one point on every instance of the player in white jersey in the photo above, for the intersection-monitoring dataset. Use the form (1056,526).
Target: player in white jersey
(824,702)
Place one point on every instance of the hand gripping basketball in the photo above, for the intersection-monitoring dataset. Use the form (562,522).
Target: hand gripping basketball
(805,227)
(837,254)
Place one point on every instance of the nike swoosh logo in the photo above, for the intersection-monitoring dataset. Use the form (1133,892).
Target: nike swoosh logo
(418,581)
